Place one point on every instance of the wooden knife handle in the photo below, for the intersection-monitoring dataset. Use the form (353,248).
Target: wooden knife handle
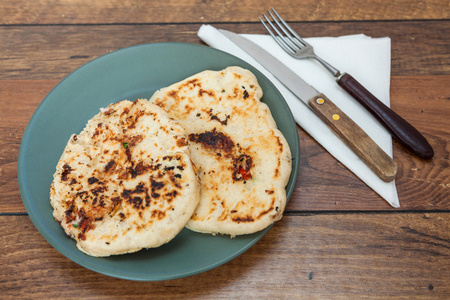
(401,130)
(356,138)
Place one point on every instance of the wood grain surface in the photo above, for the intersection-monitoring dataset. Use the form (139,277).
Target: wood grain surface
(54,51)
(200,11)
(352,255)
(337,239)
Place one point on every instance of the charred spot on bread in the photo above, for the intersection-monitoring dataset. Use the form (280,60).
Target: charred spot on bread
(66,171)
(214,140)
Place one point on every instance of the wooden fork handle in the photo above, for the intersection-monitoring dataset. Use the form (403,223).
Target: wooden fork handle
(400,129)
(355,138)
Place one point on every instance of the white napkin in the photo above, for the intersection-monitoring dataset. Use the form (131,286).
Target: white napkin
(365,58)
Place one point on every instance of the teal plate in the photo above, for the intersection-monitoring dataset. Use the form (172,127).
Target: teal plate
(130,73)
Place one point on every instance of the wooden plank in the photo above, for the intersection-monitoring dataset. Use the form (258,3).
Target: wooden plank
(181,11)
(323,183)
(18,100)
(353,255)
(52,52)
(428,111)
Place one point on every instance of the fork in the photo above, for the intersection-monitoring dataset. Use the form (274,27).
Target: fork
(298,48)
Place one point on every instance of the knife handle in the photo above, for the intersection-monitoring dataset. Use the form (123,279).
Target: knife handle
(356,138)
(401,130)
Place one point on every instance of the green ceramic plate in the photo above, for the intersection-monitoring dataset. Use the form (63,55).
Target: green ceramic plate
(130,73)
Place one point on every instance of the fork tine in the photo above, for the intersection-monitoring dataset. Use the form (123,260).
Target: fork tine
(279,39)
(291,42)
(287,37)
(303,42)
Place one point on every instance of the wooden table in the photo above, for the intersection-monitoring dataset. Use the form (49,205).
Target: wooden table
(337,237)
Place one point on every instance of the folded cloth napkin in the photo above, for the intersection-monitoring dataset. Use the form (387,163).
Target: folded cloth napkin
(365,58)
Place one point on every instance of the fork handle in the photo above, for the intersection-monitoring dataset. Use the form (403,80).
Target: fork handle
(400,129)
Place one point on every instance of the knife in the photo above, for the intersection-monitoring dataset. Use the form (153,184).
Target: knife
(344,127)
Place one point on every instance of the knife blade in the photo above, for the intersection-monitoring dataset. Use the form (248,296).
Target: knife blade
(344,127)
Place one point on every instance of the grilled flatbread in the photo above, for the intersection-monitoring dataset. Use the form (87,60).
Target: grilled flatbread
(244,161)
(126,182)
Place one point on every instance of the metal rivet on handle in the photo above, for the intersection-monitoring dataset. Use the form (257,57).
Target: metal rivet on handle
(336,117)
(320,101)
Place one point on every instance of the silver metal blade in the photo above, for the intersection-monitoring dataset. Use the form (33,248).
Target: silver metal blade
(285,75)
